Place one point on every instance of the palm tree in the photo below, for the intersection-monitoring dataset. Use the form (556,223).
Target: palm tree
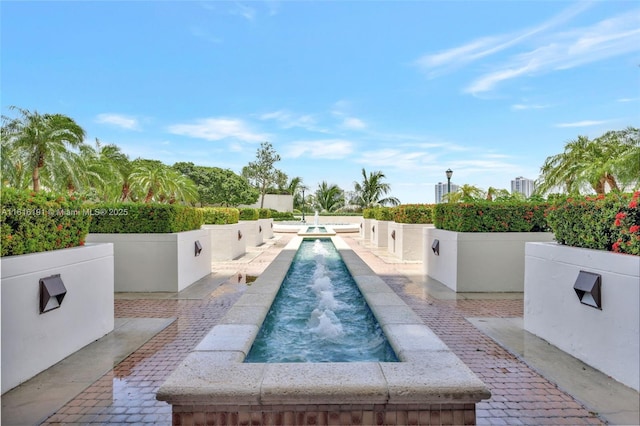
(606,161)
(329,197)
(466,194)
(41,137)
(371,191)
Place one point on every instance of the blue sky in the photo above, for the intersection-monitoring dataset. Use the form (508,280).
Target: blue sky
(486,88)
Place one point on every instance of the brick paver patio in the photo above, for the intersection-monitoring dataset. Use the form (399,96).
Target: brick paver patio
(127,393)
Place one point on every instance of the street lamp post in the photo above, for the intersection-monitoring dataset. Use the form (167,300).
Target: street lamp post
(303,205)
(449,173)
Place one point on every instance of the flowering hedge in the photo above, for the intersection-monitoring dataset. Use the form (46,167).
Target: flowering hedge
(220,215)
(413,213)
(610,222)
(486,216)
(137,218)
(33,222)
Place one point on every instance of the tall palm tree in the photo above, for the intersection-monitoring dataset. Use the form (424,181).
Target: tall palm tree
(329,197)
(372,190)
(41,137)
(466,194)
(606,161)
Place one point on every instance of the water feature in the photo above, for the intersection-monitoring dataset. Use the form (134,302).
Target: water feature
(319,314)
(316,230)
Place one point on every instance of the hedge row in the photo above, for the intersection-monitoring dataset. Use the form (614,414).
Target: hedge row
(491,217)
(610,222)
(33,222)
(281,216)
(220,215)
(413,213)
(249,213)
(135,218)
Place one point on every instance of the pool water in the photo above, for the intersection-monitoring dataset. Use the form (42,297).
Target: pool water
(319,314)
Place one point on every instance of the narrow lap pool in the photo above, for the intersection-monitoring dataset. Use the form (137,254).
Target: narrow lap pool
(319,315)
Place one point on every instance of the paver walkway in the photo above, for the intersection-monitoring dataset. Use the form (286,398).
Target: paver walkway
(127,393)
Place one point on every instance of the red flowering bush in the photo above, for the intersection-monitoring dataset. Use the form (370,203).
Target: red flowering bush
(610,222)
(627,223)
(32,222)
(487,216)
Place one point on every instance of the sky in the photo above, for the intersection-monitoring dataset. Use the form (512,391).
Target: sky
(489,89)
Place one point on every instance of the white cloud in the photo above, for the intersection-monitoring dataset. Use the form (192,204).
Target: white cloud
(287,120)
(519,107)
(119,120)
(214,129)
(397,159)
(584,123)
(324,148)
(568,49)
(246,12)
(353,123)
(203,34)
(628,99)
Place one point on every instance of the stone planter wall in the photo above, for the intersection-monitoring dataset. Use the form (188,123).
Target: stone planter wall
(158,262)
(365,229)
(479,261)
(33,342)
(379,230)
(608,339)
(405,240)
(267,228)
(252,232)
(227,241)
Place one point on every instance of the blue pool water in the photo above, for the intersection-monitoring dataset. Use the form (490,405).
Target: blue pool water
(317,229)
(319,314)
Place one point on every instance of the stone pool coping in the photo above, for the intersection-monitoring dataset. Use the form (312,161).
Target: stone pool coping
(214,374)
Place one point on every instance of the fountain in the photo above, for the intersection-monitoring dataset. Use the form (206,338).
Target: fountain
(316,219)
(428,382)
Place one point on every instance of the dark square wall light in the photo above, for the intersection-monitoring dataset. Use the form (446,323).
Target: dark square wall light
(588,288)
(52,291)
(198,248)
(436,247)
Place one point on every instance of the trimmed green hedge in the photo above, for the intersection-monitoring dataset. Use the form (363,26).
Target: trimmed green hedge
(486,216)
(413,213)
(33,222)
(220,215)
(249,213)
(281,216)
(136,218)
(610,222)
(264,213)
(383,213)
(368,213)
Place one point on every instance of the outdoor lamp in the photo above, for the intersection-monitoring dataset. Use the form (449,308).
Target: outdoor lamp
(198,248)
(449,173)
(588,289)
(52,291)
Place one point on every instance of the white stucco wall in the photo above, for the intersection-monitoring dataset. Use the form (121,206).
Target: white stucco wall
(405,240)
(281,203)
(379,232)
(33,342)
(365,229)
(606,339)
(252,232)
(158,262)
(224,242)
(479,261)
(267,228)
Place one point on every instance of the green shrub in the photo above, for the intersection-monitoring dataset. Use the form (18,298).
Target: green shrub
(610,222)
(264,213)
(383,213)
(281,216)
(33,222)
(138,218)
(249,213)
(220,215)
(486,216)
(368,213)
(413,213)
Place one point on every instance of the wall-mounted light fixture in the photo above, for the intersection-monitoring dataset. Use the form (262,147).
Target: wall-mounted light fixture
(393,234)
(52,291)
(587,287)
(198,248)
(259,229)
(436,247)
(373,228)
(239,235)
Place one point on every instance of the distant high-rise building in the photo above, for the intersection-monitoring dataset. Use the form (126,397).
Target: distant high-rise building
(441,189)
(523,185)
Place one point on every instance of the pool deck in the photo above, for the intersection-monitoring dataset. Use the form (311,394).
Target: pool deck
(115,379)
